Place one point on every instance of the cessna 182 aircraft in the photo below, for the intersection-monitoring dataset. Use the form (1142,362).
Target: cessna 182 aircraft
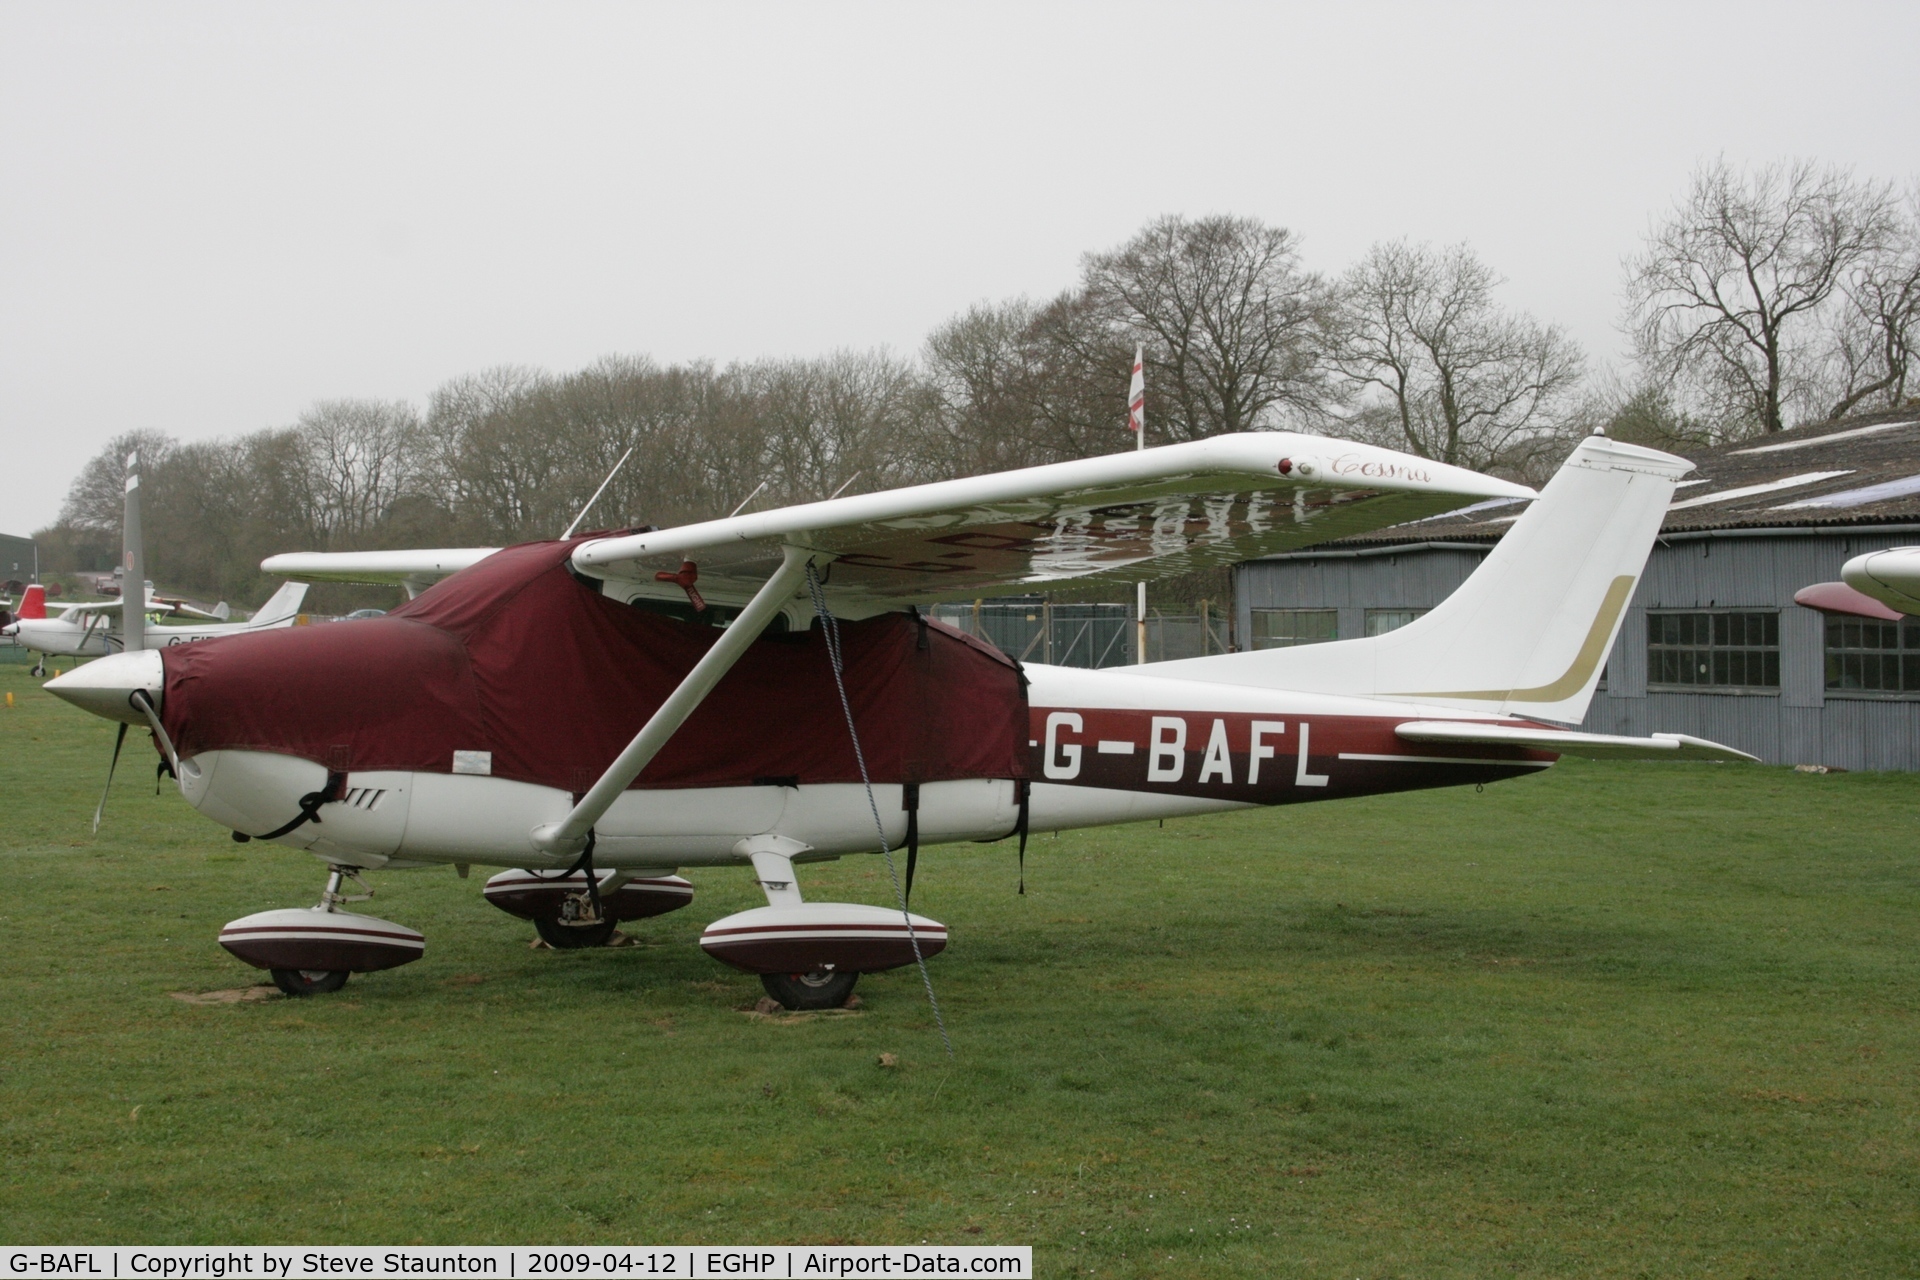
(594,713)
(88,630)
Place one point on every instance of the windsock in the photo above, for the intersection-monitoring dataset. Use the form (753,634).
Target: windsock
(1137,395)
(133,590)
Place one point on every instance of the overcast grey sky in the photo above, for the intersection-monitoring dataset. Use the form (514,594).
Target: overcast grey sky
(213,215)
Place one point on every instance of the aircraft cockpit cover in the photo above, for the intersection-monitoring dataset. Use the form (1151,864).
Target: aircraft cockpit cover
(519,659)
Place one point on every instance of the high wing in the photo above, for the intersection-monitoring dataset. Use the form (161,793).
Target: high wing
(1592,746)
(154,604)
(182,607)
(1147,514)
(414,570)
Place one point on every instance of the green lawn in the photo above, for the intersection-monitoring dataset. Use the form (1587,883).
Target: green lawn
(1617,1020)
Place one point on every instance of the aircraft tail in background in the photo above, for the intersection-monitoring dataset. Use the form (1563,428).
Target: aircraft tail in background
(285,604)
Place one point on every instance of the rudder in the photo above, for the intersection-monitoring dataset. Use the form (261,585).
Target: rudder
(284,604)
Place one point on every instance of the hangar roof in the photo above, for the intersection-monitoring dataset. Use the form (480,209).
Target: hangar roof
(1858,471)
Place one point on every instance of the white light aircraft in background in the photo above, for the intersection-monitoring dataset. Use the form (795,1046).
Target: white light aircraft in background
(91,630)
(98,628)
(449,732)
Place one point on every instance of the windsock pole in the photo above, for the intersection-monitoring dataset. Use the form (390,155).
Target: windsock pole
(1137,423)
(133,591)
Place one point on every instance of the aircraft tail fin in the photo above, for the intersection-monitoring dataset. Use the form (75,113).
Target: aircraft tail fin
(284,605)
(1528,633)
(33,602)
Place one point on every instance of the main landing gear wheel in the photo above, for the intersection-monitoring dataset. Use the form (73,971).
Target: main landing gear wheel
(38,670)
(821,989)
(309,982)
(574,937)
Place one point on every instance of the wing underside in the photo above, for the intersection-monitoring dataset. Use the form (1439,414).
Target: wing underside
(1125,518)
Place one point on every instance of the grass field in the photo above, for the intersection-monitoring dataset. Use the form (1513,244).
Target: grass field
(1618,1020)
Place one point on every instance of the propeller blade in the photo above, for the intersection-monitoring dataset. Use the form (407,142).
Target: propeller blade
(120,740)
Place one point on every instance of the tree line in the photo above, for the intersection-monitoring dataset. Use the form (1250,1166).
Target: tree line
(1763,298)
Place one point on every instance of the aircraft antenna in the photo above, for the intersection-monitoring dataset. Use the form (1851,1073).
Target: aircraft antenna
(744,501)
(830,629)
(597,492)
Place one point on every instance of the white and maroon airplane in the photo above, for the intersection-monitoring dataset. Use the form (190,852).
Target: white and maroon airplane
(582,713)
(106,626)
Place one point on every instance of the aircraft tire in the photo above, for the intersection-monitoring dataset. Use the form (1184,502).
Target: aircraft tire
(819,990)
(309,982)
(571,937)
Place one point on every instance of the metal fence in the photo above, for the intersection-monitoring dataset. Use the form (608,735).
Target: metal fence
(1034,629)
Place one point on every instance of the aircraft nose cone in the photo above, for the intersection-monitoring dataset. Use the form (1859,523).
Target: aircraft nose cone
(104,685)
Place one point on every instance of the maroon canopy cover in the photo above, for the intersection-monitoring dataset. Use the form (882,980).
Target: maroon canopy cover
(518,657)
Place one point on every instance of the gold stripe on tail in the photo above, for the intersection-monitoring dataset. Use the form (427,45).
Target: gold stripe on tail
(1585,663)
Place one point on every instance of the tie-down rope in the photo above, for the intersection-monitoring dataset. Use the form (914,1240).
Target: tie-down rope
(830,628)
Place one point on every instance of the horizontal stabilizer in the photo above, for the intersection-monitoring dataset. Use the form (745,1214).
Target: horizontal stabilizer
(1591,746)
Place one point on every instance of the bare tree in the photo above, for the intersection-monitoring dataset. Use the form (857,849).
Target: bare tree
(846,420)
(1727,296)
(360,456)
(493,463)
(1872,353)
(1231,321)
(1440,369)
(97,497)
(981,372)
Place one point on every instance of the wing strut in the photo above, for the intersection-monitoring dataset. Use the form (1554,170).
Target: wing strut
(569,836)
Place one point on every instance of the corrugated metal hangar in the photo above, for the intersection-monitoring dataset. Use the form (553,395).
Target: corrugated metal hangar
(1713,643)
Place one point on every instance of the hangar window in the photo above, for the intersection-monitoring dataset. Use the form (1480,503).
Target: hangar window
(1381,621)
(1284,628)
(1723,651)
(1872,657)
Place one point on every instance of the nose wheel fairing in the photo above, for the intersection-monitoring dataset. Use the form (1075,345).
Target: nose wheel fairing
(311,950)
(315,939)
